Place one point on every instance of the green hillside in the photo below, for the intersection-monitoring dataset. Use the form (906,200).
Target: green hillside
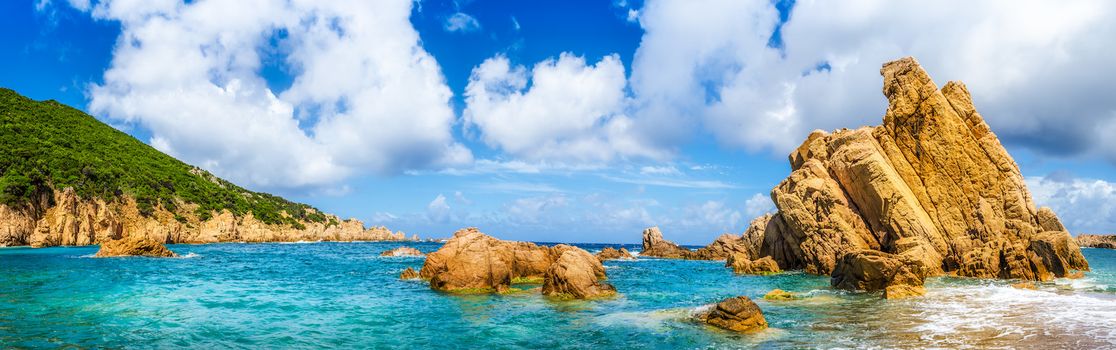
(47,145)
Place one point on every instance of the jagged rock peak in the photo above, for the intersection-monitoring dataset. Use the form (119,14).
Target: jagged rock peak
(932,185)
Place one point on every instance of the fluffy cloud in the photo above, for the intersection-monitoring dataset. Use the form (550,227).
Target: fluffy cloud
(732,69)
(563,109)
(1029,64)
(1084,205)
(365,96)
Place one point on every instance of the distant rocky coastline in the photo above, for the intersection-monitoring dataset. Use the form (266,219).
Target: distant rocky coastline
(1096,241)
(73,221)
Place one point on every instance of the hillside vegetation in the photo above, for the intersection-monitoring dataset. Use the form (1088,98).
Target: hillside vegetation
(47,146)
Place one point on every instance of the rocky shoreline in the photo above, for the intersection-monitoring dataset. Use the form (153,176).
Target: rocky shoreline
(1096,241)
(73,221)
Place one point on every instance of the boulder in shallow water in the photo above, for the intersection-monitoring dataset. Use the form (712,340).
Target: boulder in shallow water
(1025,285)
(402,251)
(409,274)
(654,245)
(473,262)
(576,275)
(738,314)
(610,253)
(134,246)
(762,266)
(873,270)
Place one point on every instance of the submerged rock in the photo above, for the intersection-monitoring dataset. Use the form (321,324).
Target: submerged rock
(931,187)
(610,253)
(1096,241)
(762,266)
(134,246)
(1025,285)
(473,262)
(402,251)
(738,314)
(781,295)
(576,275)
(408,274)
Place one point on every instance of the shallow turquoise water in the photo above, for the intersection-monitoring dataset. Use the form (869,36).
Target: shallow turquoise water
(344,295)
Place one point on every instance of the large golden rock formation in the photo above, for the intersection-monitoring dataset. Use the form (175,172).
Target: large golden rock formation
(932,186)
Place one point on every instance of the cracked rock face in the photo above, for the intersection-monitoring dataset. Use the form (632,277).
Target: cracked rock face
(576,274)
(932,185)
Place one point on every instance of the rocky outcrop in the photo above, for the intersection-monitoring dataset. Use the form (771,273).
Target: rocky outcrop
(726,245)
(473,262)
(65,219)
(737,314)
(576,275)
(741,265)
(723,247)
(931,187)
(610,253)
(654,245)
(408,274)
(873,270)
(402,251)
(1084,240)
(134,246)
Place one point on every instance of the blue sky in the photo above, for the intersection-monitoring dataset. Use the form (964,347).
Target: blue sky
(561,120)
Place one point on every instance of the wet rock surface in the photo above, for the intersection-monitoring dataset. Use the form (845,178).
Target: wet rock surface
(737,314)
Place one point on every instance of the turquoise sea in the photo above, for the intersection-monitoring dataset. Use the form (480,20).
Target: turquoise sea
(343,295)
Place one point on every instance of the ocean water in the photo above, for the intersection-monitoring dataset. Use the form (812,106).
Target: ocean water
(343,295)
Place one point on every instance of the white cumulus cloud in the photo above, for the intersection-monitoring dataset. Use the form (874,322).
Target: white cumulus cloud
(1029,64)
(563,109)
(1084,205)
(365,97)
